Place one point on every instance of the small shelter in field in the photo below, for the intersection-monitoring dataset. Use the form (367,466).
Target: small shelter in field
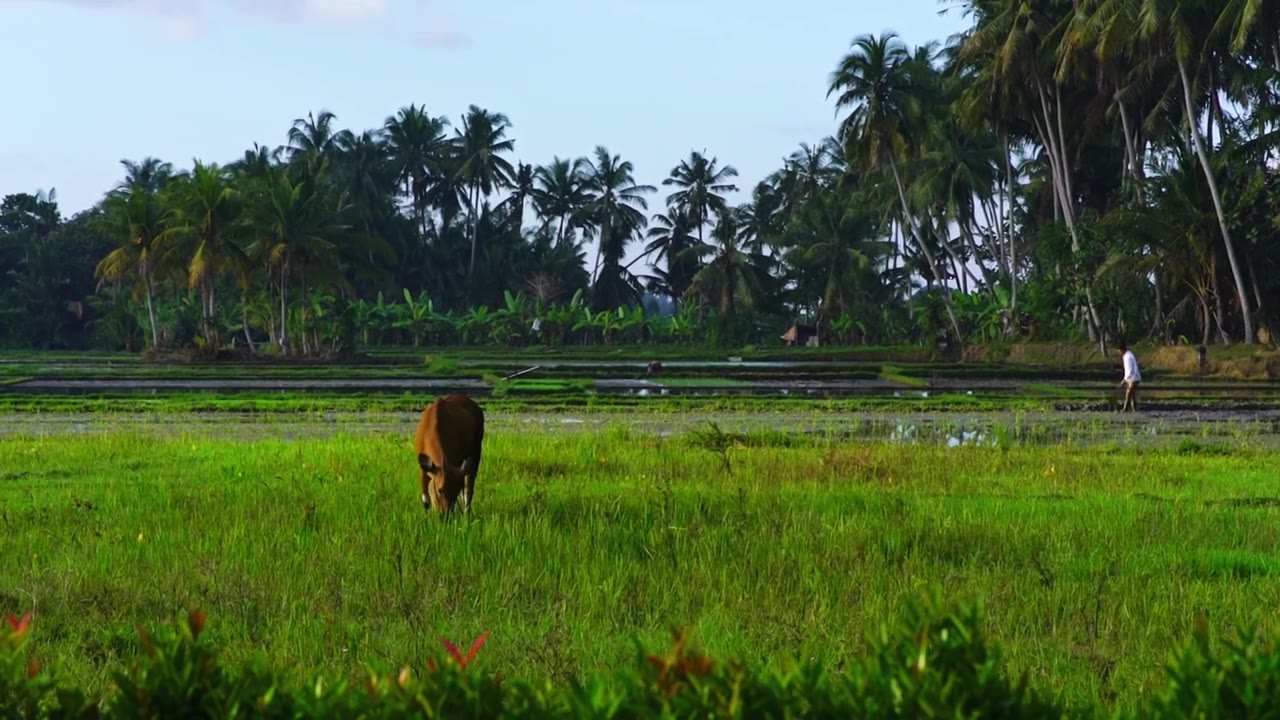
(806,335)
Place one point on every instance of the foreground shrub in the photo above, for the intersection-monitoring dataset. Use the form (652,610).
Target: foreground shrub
(932,664)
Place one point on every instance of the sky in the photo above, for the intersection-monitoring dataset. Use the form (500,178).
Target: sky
(92,82)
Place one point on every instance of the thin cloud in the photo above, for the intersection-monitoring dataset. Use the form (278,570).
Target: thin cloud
(185,17)
(440,36)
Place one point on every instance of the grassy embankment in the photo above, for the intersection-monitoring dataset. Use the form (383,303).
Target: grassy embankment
(1091,564)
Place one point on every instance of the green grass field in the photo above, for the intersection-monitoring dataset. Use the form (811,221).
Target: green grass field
(1091,564)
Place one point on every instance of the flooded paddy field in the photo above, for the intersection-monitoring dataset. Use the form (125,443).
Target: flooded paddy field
(1258,429)
(932,403)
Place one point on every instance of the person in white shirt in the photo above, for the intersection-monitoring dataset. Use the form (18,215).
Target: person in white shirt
(1132,377)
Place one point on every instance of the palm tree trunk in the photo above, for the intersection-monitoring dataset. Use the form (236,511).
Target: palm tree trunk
(207,300)
(1204,320)
(1013,249)
(924,248)
(151,310)
(475,226)
(991,214)
(284,305)
(1219,314)
(244,319)
(1264,330)
(1245,312)
(967,232)
(962,270)
(1054,143)
(1158,321)
(1131,152)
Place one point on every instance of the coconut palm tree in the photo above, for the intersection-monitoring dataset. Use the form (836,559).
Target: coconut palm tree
(150,174)
(202,219)
(521,192)
(670,237)
(135,218)
(701,185)
(1178,29)
(559,192)
(313,138)
(482,141)
(295,224)
(880,81)
(730,278)
(615,204)
(417,145)
(833,243)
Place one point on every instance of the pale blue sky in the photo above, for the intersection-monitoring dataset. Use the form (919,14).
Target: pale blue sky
(90,82)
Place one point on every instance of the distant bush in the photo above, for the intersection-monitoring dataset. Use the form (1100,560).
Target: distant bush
(932,664)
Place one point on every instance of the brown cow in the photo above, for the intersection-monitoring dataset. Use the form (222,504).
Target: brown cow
(448,446)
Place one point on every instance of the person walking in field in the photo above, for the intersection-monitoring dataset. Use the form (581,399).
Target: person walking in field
(1132,376)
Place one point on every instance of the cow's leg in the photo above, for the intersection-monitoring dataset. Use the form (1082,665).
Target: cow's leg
(468,482)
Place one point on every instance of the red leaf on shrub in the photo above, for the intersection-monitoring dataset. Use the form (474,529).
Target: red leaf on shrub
(19,627)
(453,650)
(33,669)
(471,654)
(475,648)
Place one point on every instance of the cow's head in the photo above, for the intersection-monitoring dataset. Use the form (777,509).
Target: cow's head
(443,480)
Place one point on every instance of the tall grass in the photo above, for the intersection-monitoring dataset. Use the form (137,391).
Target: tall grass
(1091,565)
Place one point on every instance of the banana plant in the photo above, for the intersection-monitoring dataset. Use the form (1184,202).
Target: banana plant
(316,320)
(684,323)
(362,311)
(416,316)
(475,325)
(632,324)
(509,323)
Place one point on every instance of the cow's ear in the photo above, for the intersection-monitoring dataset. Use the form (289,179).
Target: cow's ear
(425,463)
(465,468)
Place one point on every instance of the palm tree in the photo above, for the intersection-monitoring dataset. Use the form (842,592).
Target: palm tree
(311,139)
(882,84)
(135,218)
(615,206)
(417,146)
(150,174)
(833,242)
(203,215)
(256,163)
(1178,27)
(482,140)
(521,192)
(960,166)
(670,237)
(560,191)
(362,175)
(730,279)
(700,185)
(295,222)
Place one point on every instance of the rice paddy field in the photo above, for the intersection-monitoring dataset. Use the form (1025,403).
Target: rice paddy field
(775,527)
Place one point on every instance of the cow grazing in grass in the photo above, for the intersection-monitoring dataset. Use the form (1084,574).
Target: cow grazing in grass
(448,445)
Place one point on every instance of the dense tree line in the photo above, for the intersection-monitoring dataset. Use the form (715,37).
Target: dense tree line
(1063,169)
